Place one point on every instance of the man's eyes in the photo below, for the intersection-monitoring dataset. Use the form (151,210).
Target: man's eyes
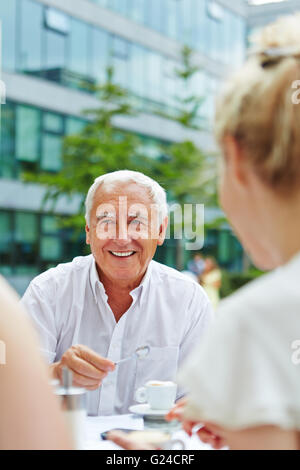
(134,222)
(107,221)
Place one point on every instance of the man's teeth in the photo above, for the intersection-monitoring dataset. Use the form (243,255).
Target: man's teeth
(122,253)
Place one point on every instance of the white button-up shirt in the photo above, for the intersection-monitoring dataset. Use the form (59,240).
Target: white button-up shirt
(169,312)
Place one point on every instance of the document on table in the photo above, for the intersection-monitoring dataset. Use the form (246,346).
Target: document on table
(96,425)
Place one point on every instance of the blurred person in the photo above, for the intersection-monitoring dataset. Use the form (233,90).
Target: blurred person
(243,380)
(30,415)
(196,265)
(211,281)
(117,299)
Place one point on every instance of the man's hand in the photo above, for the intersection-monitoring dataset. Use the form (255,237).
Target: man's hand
(88,367)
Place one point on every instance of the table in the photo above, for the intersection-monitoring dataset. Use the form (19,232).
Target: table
(96,425)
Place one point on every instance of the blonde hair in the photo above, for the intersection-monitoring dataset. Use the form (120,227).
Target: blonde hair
(257,106)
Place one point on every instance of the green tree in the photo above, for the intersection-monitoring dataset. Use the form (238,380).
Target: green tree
(189,172)
(100,148)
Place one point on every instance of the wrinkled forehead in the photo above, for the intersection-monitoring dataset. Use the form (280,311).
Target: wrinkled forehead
(131,198)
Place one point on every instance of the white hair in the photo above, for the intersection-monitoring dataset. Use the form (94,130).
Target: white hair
(156,192)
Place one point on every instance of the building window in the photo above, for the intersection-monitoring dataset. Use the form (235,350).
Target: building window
(120,6)
(153,17)
(136,10)
(52,137)
(171,18)
(153,76)
(9,32)
(51,244)
(7,141)
(137,70)
(120,61)
(6,238)
(74,125)
(26,242)
(28,135)
(55,57)
(100,54)
(79,47)
(57,21)
(30,53)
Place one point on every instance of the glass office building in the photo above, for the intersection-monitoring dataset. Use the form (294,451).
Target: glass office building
(51,51)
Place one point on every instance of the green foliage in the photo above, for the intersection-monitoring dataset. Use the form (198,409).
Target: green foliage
(190,173)
(187,106)
(183,169)
(231,282)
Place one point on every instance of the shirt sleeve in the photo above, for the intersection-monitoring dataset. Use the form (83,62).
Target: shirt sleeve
(241,376)
(41,311)
(200,316)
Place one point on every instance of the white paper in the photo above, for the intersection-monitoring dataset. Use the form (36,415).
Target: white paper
(96,425)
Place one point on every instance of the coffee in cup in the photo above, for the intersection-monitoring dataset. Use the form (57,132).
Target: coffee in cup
(158,394)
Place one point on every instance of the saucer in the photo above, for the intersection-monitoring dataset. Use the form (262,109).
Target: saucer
(145,410)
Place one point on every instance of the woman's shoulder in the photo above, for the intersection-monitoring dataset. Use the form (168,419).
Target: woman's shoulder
(274,294)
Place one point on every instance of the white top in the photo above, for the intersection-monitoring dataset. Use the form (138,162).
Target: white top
(246,372)
(169,312)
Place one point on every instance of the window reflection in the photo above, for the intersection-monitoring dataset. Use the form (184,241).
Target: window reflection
(120,61)
(78,47)
(27,134)
(30,60)
(26,240)
(55,57)
(8,19)
(76,54)
(100,54)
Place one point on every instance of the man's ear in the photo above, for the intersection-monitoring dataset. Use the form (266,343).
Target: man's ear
(162,231)
(87,234)
(236,161)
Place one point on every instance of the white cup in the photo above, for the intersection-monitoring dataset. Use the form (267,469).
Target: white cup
(159,395)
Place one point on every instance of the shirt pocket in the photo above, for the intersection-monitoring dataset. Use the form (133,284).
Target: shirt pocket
(160,364)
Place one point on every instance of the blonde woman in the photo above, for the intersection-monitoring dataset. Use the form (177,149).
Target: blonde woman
(243,381)
(30,415)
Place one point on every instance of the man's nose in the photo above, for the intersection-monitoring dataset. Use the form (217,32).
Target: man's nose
(123,237)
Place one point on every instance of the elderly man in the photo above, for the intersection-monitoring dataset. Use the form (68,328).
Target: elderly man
(98,309)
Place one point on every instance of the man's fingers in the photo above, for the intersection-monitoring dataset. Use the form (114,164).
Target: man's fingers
(82,367)
(122,440)
(95,359)
(83,381)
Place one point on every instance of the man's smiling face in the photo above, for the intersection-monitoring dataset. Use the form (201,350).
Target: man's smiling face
(124,232)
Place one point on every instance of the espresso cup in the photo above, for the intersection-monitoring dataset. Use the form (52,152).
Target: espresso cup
(159,395)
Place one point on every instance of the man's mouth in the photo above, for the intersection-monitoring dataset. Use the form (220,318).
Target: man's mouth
(122,254)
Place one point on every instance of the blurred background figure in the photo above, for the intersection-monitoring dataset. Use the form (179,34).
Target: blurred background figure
(211,280)
(30,415)
(196,265)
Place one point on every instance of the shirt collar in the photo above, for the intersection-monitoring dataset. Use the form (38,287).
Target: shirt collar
(94,280)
